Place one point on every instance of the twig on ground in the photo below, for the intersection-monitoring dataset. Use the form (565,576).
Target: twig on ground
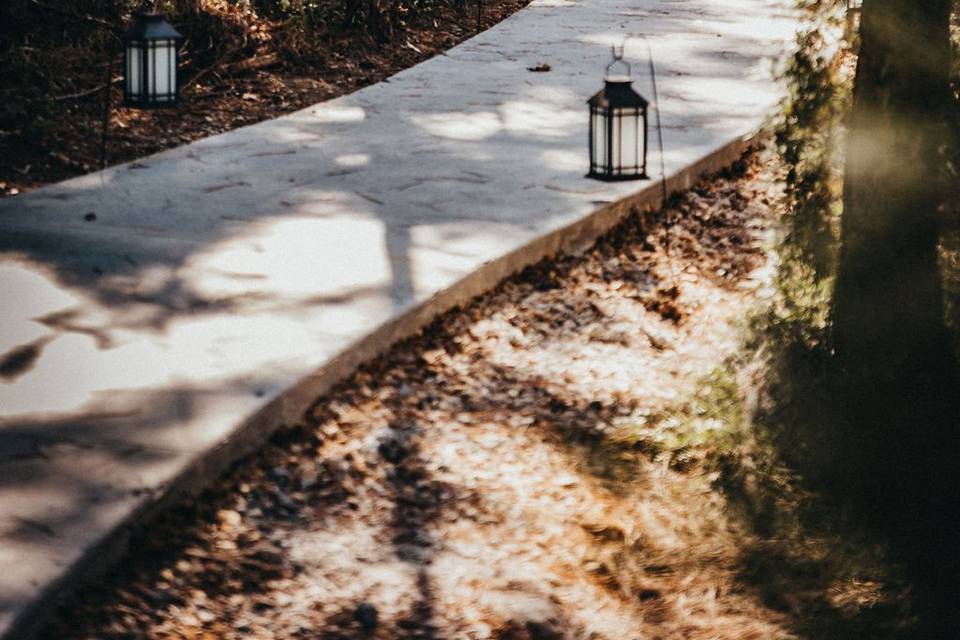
(217,63)
(85,92)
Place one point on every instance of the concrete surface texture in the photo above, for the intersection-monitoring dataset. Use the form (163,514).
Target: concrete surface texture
(219,275)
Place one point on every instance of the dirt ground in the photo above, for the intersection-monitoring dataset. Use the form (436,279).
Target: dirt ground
(559,459)
(230,94)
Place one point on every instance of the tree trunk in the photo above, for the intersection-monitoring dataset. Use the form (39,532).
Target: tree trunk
(888,315)
(889,305)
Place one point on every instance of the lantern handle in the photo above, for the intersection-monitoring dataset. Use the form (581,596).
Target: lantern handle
(617,57)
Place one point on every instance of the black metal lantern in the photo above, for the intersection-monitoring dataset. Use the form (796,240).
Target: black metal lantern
(150,59)
(618,127)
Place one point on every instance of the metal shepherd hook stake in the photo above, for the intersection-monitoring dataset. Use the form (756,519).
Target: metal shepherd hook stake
(656,103)
(663,170)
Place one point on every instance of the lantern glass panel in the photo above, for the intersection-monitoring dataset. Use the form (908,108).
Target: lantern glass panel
(616,139)
(629,140)
(598,131)
(162,63)
(135,70)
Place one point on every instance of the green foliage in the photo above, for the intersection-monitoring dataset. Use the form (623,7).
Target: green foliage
(806,139)
(793,333)
(704,425)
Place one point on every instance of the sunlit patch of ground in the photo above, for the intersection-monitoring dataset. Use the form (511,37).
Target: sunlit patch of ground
(567,457)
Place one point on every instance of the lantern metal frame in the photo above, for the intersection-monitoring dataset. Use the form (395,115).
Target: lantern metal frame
(149,32)
(616,101)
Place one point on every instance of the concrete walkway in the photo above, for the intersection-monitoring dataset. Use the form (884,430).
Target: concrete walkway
(224,284)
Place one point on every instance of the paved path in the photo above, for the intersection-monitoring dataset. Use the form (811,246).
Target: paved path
(219,275)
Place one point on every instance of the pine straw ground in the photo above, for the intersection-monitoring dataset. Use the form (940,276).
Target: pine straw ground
(566,457)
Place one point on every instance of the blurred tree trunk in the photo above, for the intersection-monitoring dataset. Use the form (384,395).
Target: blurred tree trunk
(888,312)
(889,306)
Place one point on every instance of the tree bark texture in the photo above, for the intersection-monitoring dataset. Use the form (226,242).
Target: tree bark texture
(899,384)
(888,309)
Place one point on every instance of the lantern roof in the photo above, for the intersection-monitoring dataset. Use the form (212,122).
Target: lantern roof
(151,26)
(618,92)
